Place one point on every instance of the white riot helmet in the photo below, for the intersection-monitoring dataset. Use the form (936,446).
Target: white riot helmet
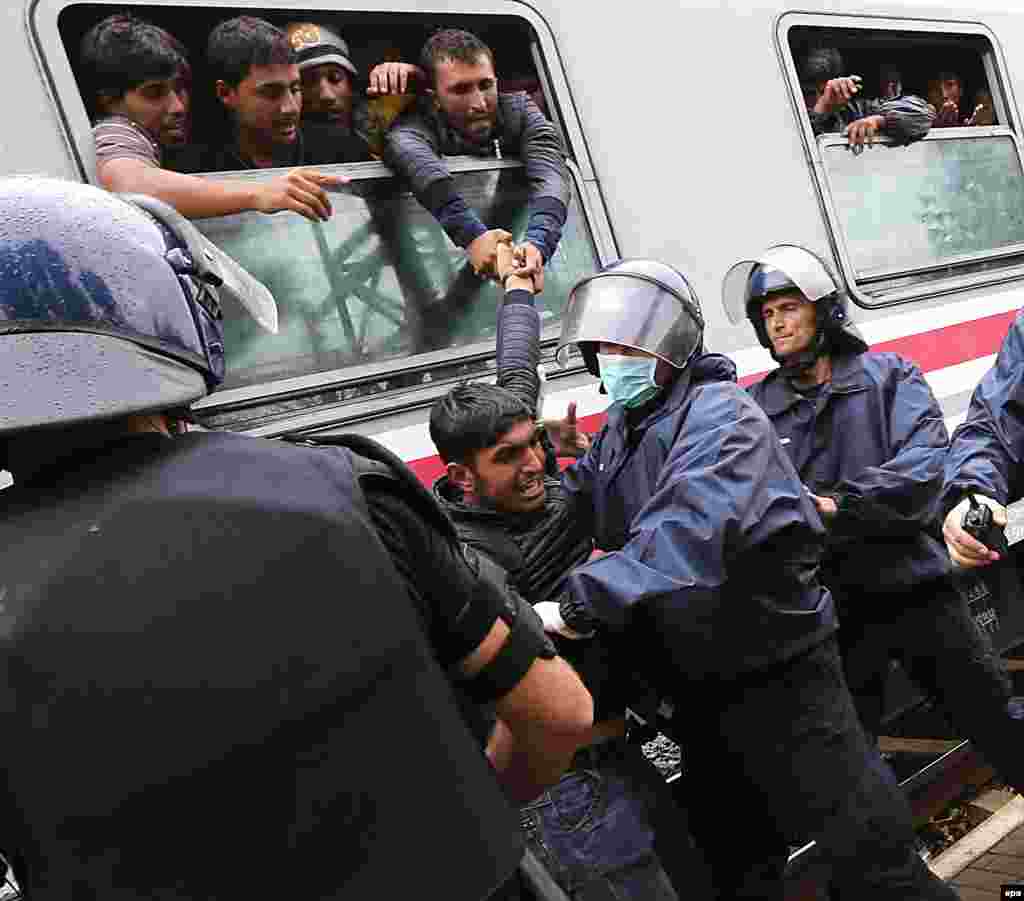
(788,267)
(637,303)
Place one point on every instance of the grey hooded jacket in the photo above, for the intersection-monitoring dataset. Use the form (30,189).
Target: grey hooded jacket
(420,139)
(907,118)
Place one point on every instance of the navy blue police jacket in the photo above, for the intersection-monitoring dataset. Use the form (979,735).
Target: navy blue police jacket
(714,545)
(205,639)
(873,439)
(987,449)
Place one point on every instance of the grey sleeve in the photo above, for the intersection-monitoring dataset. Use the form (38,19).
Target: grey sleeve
(543,155)
(412,151)
(518,348)
(907,118)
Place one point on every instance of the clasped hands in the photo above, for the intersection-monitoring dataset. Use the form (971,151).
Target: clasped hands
(525,262)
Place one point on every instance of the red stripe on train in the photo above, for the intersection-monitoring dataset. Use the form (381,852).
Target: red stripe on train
(943,347)
(931,350)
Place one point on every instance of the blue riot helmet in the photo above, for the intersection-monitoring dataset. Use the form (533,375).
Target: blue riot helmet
(789,268)
(109,305)
(637,303)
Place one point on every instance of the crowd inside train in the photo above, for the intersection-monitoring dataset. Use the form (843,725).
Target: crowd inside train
(237,666)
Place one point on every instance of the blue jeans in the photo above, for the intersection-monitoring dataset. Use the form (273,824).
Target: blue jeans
(594,830)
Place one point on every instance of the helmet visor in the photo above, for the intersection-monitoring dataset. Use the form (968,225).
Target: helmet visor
(802,268)
(233,281)
(632,310)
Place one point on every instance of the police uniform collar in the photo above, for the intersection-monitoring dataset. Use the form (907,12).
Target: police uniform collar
(778,393)
(848,372)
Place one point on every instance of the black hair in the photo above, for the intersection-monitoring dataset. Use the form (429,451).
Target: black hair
(472,417)
(121,52)
(461,46)
(950,75)
(821,64)
(238,44)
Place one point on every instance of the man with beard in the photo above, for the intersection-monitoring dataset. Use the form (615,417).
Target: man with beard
(257,80)
(501,491)
(463,113)
(137,81)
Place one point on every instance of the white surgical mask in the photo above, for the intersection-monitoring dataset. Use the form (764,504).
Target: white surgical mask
(629,380)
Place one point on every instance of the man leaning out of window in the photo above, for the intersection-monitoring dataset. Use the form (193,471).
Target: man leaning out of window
(833,104)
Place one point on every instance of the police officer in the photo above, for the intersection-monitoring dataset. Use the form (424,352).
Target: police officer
(868,440)
(712,570)
(214,680)
(986,453)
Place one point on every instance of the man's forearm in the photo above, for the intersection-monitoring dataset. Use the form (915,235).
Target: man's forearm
(449,208)
(544,230)
(516,766)
(907,118)
(191,195)
(518,347)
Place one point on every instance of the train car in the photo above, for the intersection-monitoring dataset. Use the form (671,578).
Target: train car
(688,140)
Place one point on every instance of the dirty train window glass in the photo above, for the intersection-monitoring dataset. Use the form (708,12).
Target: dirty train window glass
(947,199)
(381,280)
(909,215)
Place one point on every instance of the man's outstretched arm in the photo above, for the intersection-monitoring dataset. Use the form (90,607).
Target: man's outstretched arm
(413,152)
(493,641)
(518,344)
(300,190)
(550,190)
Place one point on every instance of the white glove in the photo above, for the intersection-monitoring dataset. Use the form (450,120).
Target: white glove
(551,616)
(965,551)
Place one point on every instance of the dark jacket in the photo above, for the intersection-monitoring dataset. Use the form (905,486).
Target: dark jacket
(907,118)
(716,544)
(874,439)
(205,636)
(987,450)
(420,139)
(538,549)
(317,144)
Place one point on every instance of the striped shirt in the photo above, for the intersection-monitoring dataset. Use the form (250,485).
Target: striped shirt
(118,138)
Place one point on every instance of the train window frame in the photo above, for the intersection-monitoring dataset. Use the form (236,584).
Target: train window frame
(54,59)
(918,283)
(338,380)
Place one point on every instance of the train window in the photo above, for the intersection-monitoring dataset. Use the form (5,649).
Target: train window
(937,214)
(381,281)
(936,203)
(377,306)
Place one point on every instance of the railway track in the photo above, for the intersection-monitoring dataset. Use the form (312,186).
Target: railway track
(933,773)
